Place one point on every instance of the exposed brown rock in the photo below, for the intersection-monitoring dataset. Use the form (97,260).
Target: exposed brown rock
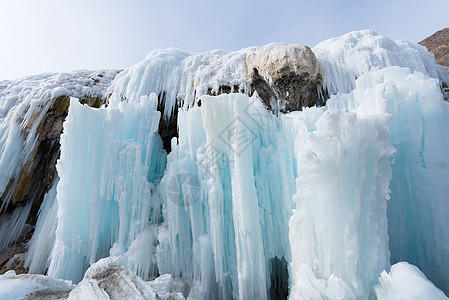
(286,77)
(438,44)
(95,102)
(13,257)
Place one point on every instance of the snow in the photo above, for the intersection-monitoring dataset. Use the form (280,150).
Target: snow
(183,77)
(406,282)
(347,57)
(14,286)
(106,279)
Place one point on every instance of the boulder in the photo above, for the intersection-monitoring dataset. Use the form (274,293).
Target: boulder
(286,77)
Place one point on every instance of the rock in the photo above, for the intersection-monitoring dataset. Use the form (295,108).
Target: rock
(107,279)
(168,125)
(13,257)
(438,44)
(286,77)
(167,287)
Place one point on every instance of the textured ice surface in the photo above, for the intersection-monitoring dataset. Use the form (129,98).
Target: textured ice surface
(406,282)
(183,77)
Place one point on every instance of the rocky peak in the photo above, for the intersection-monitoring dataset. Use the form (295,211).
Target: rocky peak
(438,44)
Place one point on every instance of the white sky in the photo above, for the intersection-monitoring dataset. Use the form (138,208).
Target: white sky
(39,36)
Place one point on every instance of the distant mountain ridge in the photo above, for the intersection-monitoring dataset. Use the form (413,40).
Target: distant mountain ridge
(438,44)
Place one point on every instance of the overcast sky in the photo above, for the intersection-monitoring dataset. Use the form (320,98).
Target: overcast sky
(60,35)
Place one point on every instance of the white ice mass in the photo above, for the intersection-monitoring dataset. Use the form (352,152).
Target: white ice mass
(323,203)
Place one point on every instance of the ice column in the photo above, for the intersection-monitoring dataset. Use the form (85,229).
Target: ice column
(338,231)
(104,194)
(226,198)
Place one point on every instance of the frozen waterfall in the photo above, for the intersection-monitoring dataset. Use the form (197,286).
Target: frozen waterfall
(250,204)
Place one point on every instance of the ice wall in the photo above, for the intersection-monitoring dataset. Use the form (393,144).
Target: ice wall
(109,160)
(227,191)
(419,129)
(338,231)
(419,207)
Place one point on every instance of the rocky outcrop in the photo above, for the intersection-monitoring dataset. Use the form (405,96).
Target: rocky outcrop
(286,77)
(438,44)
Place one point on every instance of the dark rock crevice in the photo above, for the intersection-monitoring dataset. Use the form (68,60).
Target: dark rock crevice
(291,92)
(168,124)
(278,268)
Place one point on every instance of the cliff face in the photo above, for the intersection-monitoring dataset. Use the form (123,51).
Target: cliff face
(438,44)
